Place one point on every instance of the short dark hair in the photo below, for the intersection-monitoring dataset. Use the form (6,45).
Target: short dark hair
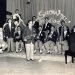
(16,10)
(28,22)
(33,17)
(62,21)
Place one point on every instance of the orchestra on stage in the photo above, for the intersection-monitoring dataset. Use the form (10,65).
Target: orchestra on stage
(33,37)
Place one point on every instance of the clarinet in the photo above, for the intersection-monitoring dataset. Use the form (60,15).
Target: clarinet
(38,35)
(46,39)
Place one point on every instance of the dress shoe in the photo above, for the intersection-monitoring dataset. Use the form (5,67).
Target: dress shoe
(48,52)
(28,59)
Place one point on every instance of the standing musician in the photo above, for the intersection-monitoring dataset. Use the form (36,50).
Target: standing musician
(39,40)
(9,33)
(35,24)
(51,40)
(63,37)
(17,15)
(28,36)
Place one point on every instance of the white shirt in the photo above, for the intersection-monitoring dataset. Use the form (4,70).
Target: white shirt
(65,32)
(20,20)
(10,26)
(46,24)
(16,15)
(74,29)
(51,34)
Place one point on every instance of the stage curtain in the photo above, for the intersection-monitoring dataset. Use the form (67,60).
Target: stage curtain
(67,7)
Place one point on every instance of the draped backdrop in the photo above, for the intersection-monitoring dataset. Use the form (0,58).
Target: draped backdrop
(67,7)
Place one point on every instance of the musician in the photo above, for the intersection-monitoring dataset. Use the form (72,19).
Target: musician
(9,33)
(51,40)
(63,37)
(39,40)
(47,25)
(35,24)
(17,15)
(28,36)
(18,38)
(22,27)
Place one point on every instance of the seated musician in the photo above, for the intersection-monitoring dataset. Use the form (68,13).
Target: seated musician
(28,37)
(39,40)
(18,38)
(51,40)
(63,37)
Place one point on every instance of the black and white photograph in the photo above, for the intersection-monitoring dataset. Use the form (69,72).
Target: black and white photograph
(37,37)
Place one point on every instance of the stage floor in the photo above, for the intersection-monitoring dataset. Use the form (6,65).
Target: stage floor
(38,56)
(16,64)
